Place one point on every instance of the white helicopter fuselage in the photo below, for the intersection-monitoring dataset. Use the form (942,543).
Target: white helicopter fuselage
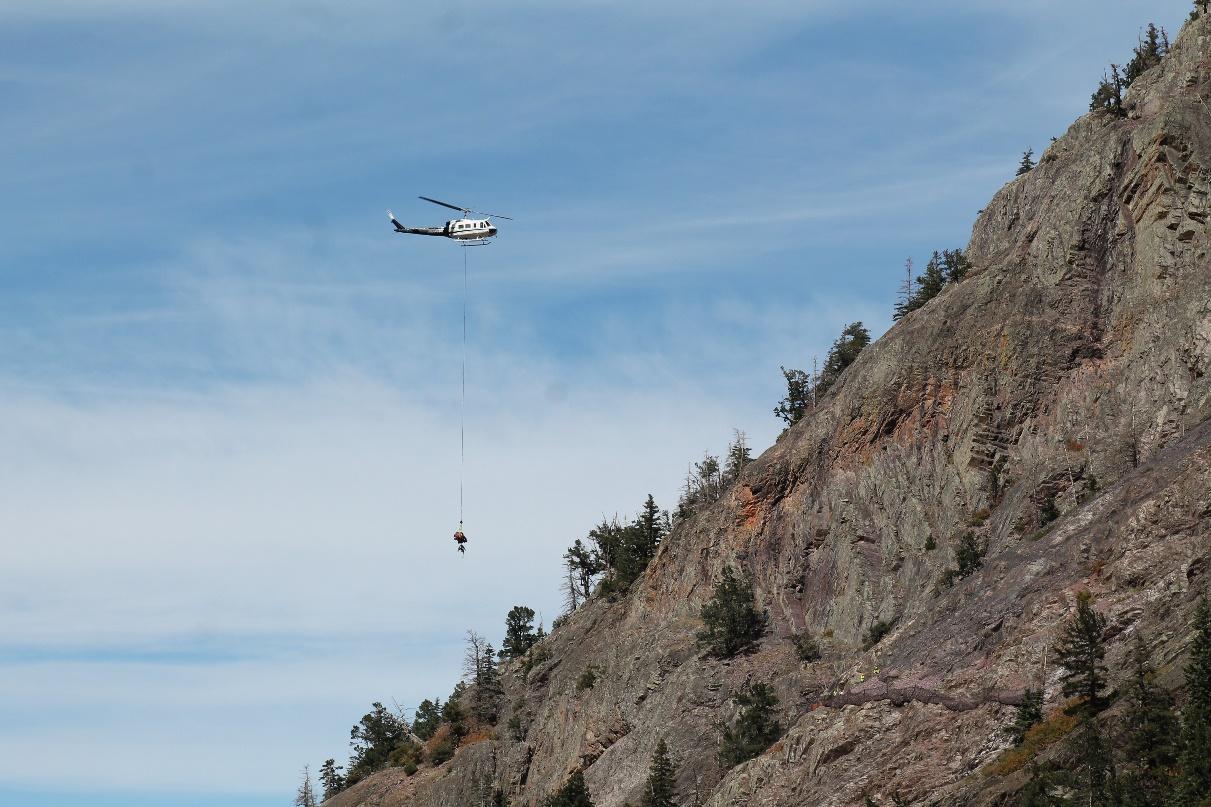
(470,229)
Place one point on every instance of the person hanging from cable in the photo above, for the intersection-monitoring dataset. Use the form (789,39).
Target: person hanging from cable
(460,539)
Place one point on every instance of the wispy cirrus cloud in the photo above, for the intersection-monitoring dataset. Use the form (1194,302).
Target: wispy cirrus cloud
(229,395)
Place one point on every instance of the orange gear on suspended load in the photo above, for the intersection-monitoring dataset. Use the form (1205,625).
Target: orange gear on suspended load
(460,539)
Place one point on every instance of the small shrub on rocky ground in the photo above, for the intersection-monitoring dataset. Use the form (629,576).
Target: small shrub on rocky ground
(807,648)
(969,556)
(876,632)
(587,679)
(1048,511)
(538,655)
(1037,738)
(440,747)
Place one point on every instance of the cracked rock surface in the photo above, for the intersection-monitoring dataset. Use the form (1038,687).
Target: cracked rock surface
(1071,366)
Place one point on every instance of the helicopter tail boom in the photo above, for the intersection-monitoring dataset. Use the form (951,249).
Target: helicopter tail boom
(399,228)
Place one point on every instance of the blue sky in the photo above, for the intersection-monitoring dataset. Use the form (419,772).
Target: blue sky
(228,393)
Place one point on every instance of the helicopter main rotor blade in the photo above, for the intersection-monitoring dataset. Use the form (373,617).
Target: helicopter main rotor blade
(465,210)
(446,204)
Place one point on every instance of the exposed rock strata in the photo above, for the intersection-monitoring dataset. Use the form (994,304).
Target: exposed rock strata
(1071,366)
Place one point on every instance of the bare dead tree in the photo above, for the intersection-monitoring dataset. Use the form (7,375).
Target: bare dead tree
(473,657)
(571,588)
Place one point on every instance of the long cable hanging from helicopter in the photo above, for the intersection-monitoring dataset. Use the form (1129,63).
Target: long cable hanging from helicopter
(469,233)
(462,415)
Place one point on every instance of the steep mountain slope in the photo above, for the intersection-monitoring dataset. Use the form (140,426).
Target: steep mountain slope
(1070,367)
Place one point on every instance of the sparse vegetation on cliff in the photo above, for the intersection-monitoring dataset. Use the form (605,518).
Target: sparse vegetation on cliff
(519,632)
(374,739)
(876,632)
(969,558)
(944,268)
(755,729)
(802,390)
(732,621)
(1153,45)
(1030,713)
(615,553)
(660,788)
(574,793)
(992,398)
(806,647)
(1081,653)
(1195,760)
(1027,163)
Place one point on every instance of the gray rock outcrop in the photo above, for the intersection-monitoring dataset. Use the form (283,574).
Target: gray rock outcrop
(1071,368)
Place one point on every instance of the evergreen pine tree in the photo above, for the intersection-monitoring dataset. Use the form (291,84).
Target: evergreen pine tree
(519,632)
(969,555)
(798,396)
(660,789)
(932,280)
(574,793)
(427,718)
(1027,163)
(1194,779)
(1081,652)
(955,265)
(1038,791)
(755,729)
(609,539)
(1150,733)
(1148,53)
(375,736)
(585,564)
(1030,712)
(853,339)
(1096,778)
(738,456)
(454,714)
(331,779)
(733,622)
(488,688)
(630,548)
(649,530)
(1109,94)
(709,478)
(929,285)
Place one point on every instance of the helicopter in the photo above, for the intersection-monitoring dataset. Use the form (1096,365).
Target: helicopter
(471,232)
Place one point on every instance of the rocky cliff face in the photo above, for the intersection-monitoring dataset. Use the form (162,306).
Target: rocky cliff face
(1070,367)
